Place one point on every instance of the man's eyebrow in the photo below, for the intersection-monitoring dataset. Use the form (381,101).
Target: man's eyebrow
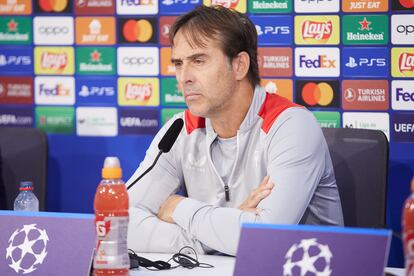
(174,60)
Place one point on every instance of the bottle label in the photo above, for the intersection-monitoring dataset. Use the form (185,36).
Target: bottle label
(111,247)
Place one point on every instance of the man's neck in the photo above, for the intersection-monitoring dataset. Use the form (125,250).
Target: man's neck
(227,123)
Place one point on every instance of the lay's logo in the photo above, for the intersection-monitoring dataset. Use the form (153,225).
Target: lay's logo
(54,61)
(406,62)
(139,92)
(230,4)
(317,30)
(402,62)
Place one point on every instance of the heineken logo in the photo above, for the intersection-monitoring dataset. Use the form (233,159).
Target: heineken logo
(15,30)
(96,60)
(369,29)
(365,24)
(317,30)
(406,62)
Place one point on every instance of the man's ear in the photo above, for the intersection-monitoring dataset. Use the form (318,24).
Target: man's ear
(241,65)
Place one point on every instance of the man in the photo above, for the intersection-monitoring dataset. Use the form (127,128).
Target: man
(242,156)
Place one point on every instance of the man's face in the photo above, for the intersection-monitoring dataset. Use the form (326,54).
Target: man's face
(204,75)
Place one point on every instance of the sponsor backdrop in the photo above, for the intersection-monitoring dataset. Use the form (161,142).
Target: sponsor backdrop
(96,76)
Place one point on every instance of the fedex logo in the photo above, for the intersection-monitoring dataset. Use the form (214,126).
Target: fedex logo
(402,95)
(322,61)
(406,62)
(55,90)
(365,62)
(274,30)
(317,62)
(137,6)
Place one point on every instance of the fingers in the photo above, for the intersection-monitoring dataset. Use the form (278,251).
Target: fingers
(258,194)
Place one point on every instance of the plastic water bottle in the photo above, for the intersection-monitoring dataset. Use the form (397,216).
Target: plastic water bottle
(408,232)
(26,200)
(111,221)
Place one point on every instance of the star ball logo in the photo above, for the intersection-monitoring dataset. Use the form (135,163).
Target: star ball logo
(314,260)
(53,6)
(318,93)
(135,30)
(27,248)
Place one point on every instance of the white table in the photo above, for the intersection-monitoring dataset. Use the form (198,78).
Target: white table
(223,266)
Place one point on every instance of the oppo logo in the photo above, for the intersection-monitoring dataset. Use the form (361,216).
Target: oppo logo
(405,29)
(53,30)
(137,60)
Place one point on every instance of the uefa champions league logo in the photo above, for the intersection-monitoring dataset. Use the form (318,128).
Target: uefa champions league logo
(308,257)
(27,248)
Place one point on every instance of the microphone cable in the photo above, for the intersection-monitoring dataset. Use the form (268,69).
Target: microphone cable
(182,260)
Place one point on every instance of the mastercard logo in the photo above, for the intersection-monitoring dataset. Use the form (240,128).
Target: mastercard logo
(53,5)
(407,3)
(317,93)
(137,30)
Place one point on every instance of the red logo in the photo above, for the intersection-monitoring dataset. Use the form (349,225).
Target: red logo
(231,4)
(52,5)
(365,24)
(316,30)
(96,56)
(54,60)
(407,3)
(140,92)
(12,25)
(406,62)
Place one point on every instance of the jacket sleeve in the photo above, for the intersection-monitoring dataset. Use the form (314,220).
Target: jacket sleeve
(295,163)
(147,233)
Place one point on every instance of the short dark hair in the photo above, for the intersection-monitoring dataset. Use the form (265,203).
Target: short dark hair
(233,30)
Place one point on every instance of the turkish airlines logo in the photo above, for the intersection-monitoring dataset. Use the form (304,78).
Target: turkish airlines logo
(406,62)
(317,30)
(138,91)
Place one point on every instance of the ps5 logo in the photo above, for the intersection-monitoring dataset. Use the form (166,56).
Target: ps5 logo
(172,2)
(96,91)
(272,30)
(369,62)
(15,60)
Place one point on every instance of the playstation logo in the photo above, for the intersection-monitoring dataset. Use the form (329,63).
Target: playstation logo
(351,63)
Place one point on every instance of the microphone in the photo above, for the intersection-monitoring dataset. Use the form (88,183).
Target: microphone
(165,145)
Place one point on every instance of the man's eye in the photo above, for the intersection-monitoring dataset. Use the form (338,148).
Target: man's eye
(177,64)
(198,61)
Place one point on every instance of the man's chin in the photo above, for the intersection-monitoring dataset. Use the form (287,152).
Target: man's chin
(197,111)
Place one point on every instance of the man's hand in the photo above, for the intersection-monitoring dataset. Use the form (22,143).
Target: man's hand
(167,208)
(257,195)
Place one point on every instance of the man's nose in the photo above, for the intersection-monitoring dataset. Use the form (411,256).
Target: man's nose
(185,75)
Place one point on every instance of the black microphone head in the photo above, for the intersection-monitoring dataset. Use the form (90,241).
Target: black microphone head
(171,135)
